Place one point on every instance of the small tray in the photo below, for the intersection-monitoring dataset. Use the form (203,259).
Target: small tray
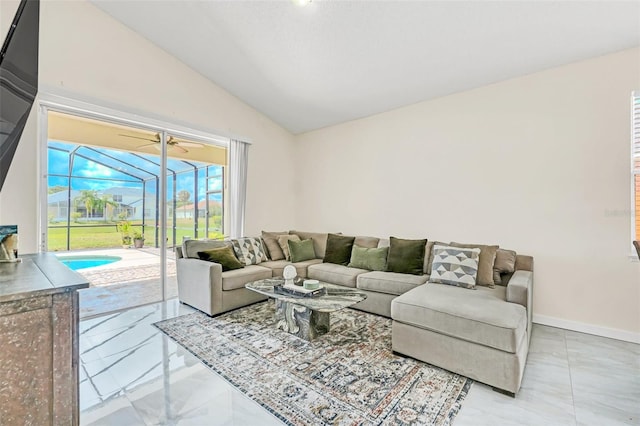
(299,291)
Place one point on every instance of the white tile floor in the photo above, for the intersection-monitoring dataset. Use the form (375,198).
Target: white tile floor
(131,374)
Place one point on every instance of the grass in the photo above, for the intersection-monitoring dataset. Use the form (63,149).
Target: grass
(97,235)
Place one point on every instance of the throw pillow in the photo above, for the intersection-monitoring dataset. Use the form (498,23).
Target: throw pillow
(299,251)
(373,259)
(455,266)
(485,262)
(224,256)
(406,256)
(505,264)
(249,251)
(270,240)
(283,242)
(428,254)
(190,248)
(338,249)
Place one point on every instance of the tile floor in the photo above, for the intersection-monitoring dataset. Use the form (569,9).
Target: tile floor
(131,374)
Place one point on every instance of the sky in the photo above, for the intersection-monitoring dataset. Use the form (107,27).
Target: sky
(123,169)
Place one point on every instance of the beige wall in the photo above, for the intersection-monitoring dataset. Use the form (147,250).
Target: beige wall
(539,164)
(87,55)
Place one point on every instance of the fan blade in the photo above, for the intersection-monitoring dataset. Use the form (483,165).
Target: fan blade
(147,144)
(139,137)
(184,150)
(191,144)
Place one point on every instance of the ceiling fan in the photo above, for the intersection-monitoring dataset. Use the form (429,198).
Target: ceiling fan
(172,143)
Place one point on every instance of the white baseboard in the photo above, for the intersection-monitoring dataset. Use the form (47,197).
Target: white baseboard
(613,333)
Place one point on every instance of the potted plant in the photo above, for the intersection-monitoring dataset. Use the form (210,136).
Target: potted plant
(138,239)
(124,228)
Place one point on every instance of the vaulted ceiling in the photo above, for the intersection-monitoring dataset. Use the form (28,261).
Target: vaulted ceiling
(335,61)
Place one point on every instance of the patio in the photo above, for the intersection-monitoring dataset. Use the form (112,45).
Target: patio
(132,281)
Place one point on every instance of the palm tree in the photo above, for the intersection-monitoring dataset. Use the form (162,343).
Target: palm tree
(105,203)
(88,197)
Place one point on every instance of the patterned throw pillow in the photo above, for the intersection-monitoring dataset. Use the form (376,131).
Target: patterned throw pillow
(249,250)
(455,266)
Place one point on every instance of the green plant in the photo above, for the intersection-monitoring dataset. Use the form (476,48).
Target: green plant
(124,228)
(138,235)
(76,216)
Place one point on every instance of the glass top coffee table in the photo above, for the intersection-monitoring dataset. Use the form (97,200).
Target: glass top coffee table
(307,317)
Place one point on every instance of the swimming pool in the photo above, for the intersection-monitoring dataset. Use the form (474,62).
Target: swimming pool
(83,262)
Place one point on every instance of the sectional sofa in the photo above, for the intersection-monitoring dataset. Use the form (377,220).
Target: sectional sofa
(481,332)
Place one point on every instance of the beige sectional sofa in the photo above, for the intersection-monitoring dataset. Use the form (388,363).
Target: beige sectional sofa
(482,333)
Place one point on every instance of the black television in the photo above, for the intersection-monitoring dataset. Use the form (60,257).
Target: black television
(18,79)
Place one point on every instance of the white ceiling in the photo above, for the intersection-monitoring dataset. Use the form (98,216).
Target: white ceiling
(334,61)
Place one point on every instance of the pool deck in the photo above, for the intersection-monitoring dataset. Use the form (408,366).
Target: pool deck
(132,281)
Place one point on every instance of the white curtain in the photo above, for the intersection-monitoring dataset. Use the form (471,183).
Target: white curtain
(238,162)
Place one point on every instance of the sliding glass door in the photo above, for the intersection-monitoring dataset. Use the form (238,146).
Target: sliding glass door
(120,198)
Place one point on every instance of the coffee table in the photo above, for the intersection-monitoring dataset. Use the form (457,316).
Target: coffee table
(307,317)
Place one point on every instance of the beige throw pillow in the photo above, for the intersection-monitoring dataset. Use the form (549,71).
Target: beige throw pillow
(485,262)
(270,240)
(505,264)
(283,242)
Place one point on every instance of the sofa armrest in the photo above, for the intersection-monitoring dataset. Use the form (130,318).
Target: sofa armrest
(520,287)
(199,283)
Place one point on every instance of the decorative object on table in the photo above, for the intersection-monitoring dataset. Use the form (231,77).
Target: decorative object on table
(289,273)
(311,383)
(9,243)
(297,291)
(311,284)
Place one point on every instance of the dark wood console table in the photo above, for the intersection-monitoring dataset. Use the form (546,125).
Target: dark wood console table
(39,342)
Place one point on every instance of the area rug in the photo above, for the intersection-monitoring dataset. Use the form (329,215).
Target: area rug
(346,377)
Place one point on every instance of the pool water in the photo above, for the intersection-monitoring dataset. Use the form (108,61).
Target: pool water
(83,262)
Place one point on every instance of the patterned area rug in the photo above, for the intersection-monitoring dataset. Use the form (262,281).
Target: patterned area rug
(346,377)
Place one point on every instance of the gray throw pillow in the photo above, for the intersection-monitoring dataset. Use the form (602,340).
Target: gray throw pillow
(190,248)
(455,266)
(249,251)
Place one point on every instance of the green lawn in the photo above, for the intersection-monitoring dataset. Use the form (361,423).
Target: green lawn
(97,235)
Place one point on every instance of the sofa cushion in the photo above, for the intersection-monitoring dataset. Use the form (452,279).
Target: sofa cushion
(319,241)
(372,259)
(283,242)
(389,282)
(485,262)
(428,254)
(277,266)
(249,251)
(455,266)
(300,251)
(338,249)
(222,255)
(190,248)
(270,239)
(406,256)
(335,274)
(505,264)
(481,316)
(232,280)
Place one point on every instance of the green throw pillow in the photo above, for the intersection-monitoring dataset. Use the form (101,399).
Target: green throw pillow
(338,249)
(373,259)
(406,256)
(299,251)
(224,256)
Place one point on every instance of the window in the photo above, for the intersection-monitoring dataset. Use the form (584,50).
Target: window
(635,152)
(117,198)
